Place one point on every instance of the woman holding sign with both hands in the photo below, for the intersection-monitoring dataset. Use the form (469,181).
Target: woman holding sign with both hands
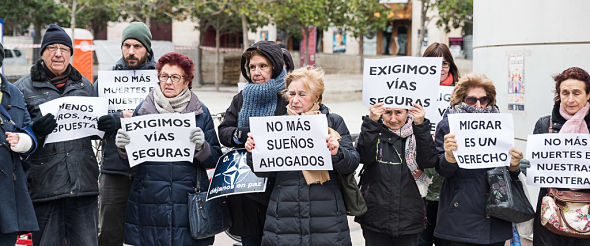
(306,207)
(462,216)
(569,115)
(395,145)
(157,210)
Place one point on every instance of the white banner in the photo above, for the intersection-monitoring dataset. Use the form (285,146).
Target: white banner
(401,82)
(159,137)
(435,115)
(559,160)
(483,140)
(76,117)
(288,143)
(125,89)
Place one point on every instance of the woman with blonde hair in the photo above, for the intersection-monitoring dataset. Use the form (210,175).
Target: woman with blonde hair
(306,207)
(462,218)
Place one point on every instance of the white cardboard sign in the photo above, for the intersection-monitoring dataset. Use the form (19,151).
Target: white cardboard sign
(483,140)
(435,114)
(125,89)
(159,138)
(76,117)
(401,82)
(289,143)
(559,160)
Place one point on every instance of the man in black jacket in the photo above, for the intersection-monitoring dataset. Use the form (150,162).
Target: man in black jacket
(115,179)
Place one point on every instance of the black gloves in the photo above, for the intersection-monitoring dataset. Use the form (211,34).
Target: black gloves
(109,123)
(241,135)
(43,125)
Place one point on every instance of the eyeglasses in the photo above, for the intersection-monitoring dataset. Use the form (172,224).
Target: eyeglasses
(262,67)
(174,77)
(54,49)
(446,64)
(473,100)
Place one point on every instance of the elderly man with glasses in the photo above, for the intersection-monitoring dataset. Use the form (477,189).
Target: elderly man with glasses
(62,177)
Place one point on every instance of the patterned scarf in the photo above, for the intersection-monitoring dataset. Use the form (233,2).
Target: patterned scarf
(171,105)
(575,123)
(315,176)
(260,99)
(422,180)
(465,108)
(59,81)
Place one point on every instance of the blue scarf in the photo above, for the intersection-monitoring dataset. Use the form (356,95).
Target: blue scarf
(260,99)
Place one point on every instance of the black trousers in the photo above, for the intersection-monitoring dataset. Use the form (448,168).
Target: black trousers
(114,192)
(373,238)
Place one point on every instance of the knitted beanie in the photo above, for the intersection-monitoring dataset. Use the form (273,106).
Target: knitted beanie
(56,35)
(140,32)
(271,51)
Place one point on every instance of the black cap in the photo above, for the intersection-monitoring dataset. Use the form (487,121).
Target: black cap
(56,35)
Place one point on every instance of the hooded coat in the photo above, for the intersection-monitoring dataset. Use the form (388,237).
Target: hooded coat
(16,209)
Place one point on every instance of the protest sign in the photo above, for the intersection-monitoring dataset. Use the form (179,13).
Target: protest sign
(233,176)
(159,137)
(483,140)
(559,160)
(288,143)
(76,117)
(125,89)
(435,114)
(401,82)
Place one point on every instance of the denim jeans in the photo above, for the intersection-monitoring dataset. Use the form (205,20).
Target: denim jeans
(114,192)
(67,221)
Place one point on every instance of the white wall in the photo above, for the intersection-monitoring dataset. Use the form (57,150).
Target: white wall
(551,35)
(185,33)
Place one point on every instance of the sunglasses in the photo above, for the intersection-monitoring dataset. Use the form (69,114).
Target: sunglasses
(473,100)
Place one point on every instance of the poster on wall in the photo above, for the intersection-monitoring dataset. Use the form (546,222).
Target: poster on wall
(516,82)
(339,42)
(264,35)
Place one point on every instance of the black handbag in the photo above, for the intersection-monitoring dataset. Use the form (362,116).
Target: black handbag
(207,218)
(506,198)
(353,198)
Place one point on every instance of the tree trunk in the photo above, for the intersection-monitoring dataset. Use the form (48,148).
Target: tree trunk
(306,46)
(425,4)
(73,18)
(244,41)
(217,44)
(202,29)
(148,21)
(244,32)
(362,50)
(36,40)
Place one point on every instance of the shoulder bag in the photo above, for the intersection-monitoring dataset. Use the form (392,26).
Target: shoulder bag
(207,218)
(506,199)
(353,198)
(565,212)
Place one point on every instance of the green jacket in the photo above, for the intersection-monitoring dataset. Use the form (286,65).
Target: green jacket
(434,188)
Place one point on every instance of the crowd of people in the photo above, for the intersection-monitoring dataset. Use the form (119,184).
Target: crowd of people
(416,194)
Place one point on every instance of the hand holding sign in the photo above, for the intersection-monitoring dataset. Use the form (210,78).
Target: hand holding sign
(376,111)
(418,112)
(515,160)
(450,146)
(333,144)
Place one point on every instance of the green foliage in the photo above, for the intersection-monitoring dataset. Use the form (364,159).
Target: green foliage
(223,15)
(455,14)
(365,16)
(294,15)
(20,14)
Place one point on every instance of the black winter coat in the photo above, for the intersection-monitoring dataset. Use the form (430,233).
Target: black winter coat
(247,210)
(301,214)
(111,162)
(463,198)
(63,169)
(542,235)
(395,206)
